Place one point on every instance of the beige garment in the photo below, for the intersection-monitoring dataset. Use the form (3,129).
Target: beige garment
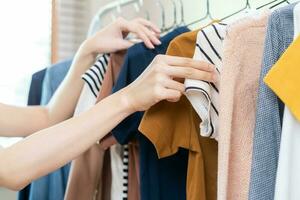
(86,178)
(134,172)
(243,51)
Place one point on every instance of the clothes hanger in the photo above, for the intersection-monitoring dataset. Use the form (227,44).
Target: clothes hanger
(247,6)
(163,15)
(142,9)
(174,25)
(264,5)
(135,5)
(207,15)
(270,3)
(182,21)
(279,3)
(103,11)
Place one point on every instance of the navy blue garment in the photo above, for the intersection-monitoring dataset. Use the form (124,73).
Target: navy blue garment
(161,179)
(52,186)
(35,91)
(53,78)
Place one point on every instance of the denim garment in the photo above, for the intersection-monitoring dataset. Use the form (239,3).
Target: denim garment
(269,109)
(52,186)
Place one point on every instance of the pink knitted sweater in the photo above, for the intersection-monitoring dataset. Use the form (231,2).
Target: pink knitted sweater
(243,50)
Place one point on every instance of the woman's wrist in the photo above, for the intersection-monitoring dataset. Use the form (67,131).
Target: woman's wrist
(126,101)
(118,101)
(83,59)
(87,49)
(93,46)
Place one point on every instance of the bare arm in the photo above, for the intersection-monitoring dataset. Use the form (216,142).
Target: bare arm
(21,122)
(51,148)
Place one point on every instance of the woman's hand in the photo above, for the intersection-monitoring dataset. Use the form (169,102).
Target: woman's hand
(157,81)
(112,37)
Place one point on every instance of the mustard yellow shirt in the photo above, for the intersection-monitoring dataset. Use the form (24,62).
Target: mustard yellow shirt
(284,78)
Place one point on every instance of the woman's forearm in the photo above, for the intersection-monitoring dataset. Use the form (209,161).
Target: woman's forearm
(21,122)
(15,121)
(51,148)
(63,103)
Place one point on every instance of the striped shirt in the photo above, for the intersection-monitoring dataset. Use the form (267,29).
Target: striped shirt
(93,81)
(125,172)
(204,95)
(93,78)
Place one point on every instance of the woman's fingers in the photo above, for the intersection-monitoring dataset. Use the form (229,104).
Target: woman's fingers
(174,85)
(157,82)
(177,67)
(134,28)
(171,95)
(151,35)
(188,62)
(190,73)
(143,29)
(150,25)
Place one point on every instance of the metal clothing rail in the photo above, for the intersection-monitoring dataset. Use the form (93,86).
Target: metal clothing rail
(119,4)
(116,5)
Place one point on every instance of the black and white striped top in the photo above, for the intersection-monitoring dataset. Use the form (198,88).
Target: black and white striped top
(93,79)
(94,76)
(203,95)
(125,172)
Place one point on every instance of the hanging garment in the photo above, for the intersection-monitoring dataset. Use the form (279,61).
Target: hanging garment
(134,172)
(242,56)
(116,157)
(203,95)
(119,161)
(52,186)
(268,124)
(53,78)
(34,98)
(93,79)
(178,123)
(35,90)
(86,175)
(283,79)
(159,179)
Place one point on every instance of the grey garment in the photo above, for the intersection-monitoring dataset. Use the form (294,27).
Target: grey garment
(268,126)
(53,78)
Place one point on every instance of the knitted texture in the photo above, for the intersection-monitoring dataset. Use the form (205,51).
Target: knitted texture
(238,91)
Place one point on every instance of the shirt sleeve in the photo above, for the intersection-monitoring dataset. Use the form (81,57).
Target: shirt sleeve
(93,79)
(204,96)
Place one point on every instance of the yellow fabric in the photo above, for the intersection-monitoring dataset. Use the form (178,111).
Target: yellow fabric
(284,78)
(170,126)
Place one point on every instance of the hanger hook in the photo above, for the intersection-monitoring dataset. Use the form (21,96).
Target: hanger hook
(163,16)
(208,13)
(147,14)
(119,9)
(182,22)
(174,13)
(248,4)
